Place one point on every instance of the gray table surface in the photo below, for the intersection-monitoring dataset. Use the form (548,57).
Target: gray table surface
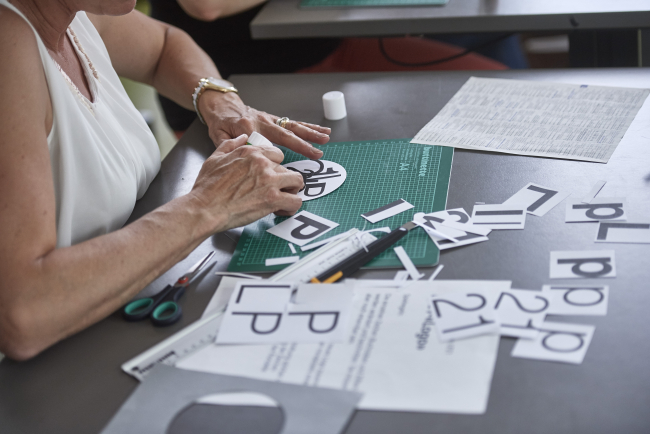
(76,386)
(285,19)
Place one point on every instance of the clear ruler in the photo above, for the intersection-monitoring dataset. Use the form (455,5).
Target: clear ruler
(174,348)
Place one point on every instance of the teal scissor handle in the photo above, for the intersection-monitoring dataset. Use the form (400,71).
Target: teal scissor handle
(168,311)
(140,309)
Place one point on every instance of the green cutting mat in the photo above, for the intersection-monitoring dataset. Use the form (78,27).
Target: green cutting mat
(366,3)
(379,172)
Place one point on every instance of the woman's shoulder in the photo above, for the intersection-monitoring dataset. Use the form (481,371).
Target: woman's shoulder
(16,35)
(22,79)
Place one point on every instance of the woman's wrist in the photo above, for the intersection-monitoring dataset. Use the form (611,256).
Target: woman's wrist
(203,220)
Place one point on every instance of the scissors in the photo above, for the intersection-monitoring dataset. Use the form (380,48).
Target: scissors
(162,307)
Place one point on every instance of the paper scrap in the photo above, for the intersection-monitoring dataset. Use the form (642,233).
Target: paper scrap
(537,200)
(594,191)
(407,263)
(503,216)
(388,357)
(167,391)
(577,299)
(259,313)
(582,264)
(558,342)
(521,312)
(463,315)
(386,211)
(600,209)
(446,237)
(570,121)
(281,261)
(436,272)
(321,177)
(302,228)
(292,248)
(636,233)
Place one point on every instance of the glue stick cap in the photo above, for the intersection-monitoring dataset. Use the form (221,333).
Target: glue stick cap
(256,139)
(334,105)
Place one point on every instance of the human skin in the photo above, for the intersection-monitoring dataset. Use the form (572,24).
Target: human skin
(210,10)
(48,294)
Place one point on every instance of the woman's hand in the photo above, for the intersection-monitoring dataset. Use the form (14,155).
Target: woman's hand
(239,184)
(228,117)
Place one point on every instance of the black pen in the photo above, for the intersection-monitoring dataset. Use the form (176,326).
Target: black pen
(352,264)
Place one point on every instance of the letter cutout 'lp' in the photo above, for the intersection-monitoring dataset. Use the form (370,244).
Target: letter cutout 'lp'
(321,177)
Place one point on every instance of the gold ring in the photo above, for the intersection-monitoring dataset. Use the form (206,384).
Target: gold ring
(282,122)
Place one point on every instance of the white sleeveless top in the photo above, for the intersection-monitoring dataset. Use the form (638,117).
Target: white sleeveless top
(102,153)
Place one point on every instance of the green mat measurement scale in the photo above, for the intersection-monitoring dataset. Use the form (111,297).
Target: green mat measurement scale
(368,3)
(378,172)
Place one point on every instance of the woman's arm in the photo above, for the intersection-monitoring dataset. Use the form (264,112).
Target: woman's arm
(210,10)
(47,294)
(165,57)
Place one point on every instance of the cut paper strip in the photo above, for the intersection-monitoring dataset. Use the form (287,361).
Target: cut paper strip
(281,261)
(537,200)
(467,227)
(636,233)
(386,211)
(556,342)
(582,264)
(436,272)
(594,191)
(455,218)
(521,312)
(256,139)
(600,209)
(499,216)
(577,299)
(302,228)
(292,248)
(230,273)
(321,177)
(408,264)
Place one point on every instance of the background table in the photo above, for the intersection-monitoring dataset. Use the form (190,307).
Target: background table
(285,19)
(76,386)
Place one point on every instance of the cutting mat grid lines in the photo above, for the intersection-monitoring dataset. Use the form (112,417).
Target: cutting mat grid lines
(379,172)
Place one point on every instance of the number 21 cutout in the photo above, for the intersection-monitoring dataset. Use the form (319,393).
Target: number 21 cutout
(459,316)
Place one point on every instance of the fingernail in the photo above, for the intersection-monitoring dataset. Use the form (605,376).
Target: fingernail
(243,135)
(317,151)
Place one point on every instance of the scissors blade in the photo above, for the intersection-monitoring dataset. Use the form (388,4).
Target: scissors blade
(194,270)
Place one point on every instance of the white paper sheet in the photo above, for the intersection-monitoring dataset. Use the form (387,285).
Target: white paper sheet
(263,313)
(576,122)
(321,177)
(503,216)
(578,299)
(600,209)
(521,312)
(557,342)
(386,211)
(391,354)
(537,200)
(302,228)
(635,233)
(583,264)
